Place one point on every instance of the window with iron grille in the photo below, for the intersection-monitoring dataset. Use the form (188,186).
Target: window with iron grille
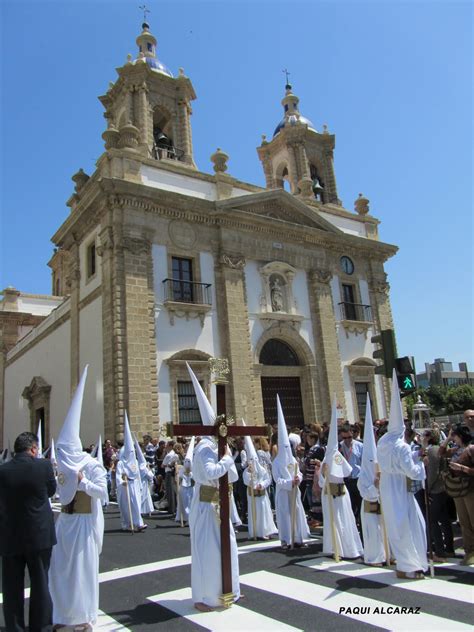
(278,353)
(187,404)
(361,390)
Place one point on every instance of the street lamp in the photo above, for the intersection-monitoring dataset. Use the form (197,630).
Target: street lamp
(421,415)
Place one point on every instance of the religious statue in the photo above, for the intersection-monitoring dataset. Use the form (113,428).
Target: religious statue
(276,295)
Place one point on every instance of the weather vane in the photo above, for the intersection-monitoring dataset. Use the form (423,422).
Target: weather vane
(145,10)
(285,70)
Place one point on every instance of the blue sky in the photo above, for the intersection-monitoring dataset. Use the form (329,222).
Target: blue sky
(392,80)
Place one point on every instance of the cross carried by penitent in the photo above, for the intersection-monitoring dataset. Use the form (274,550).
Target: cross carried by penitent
(223,430)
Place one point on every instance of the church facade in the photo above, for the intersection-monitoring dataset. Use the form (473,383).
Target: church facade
(159,264)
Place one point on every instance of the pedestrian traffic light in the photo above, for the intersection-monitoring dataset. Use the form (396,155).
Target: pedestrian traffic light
(387,352)
(405,375)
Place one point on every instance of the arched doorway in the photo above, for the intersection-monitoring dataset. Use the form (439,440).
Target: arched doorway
(284,381)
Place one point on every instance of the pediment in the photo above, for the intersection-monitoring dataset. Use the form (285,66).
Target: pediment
(278,205)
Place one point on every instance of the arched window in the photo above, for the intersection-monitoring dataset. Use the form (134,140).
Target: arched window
(278,353)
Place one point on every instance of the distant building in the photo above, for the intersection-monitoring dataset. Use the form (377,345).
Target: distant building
(441,373)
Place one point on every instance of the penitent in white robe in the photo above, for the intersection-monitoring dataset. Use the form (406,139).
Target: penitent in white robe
(283,477)
(186,490)
(206,575)
(146,478)
(265,525)
(403,518)
(134,487)
(74,571)
(372,528)
(348,539)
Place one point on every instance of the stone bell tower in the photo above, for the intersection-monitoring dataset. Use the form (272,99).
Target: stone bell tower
(149,110)
(299,156)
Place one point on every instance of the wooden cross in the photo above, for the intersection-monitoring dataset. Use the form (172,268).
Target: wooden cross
(222,431)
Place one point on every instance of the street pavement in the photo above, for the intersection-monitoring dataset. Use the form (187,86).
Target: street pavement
(145,585)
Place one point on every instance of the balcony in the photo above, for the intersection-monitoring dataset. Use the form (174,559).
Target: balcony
(355,317)
(165,151)
(185,299)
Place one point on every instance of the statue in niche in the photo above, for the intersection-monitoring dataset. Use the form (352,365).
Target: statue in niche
(276,294)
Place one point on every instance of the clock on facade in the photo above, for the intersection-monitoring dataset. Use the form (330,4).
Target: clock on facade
(347,265)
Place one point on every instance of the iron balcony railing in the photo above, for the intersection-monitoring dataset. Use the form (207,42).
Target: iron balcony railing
(355,311)
(187,292)
(162,150)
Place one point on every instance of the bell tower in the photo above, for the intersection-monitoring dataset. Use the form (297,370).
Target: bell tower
(298,156)
(147,109)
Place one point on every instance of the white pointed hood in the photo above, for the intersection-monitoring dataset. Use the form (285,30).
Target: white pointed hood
(188,459)
(97,453)
(284,459)
(128,456)
(208,415)
(396,424)
(70,457)
(369,458)
(252,456)
(52,453)
(141,460)
(337,464)
(40,442)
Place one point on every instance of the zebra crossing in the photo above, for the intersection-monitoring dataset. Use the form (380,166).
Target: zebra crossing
(326,595)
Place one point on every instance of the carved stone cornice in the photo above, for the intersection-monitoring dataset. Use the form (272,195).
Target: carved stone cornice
(381,287)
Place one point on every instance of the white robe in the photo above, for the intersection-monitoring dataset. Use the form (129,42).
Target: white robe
(372,530)
(283,502)
(403,518)
(134,487)
(265,525)
(206,575)
(74,571)
(186,490)
(146,478)
(348,539)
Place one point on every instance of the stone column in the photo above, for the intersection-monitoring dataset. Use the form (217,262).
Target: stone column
(184,131)
(142,374)
(292,169)
(328,358)
(143,117)
(235,334)
(330,178)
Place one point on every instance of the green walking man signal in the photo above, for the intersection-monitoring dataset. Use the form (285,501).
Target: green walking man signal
(405,370)
(407,383)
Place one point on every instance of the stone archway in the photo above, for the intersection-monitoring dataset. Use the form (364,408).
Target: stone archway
(285,365)
(38,395)
(362,380)
(182,392)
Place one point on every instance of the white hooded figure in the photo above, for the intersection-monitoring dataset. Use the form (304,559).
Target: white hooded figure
(185,485)
(39,434)
(129,493)
(338,517)
(257,479)
(146,478)
(372,526)
(74,571)
(204,520)
(403,518)
(287,478)
(97,454)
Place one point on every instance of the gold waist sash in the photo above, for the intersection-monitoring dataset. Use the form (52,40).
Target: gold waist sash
(208,494)
(80,504)
(372,506)
(336,489)
(256,492)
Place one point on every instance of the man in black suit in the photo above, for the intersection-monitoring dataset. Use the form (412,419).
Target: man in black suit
(27,534)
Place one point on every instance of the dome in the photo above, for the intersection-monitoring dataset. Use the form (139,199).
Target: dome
(292,120)
(156,65)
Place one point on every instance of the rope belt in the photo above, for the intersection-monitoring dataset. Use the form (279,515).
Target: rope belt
(80,504)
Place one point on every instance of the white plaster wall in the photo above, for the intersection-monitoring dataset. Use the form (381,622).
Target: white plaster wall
(178,183)
(87,286)
(90,352)
(50,359)
(349,226)
(184,334)
(39,306)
